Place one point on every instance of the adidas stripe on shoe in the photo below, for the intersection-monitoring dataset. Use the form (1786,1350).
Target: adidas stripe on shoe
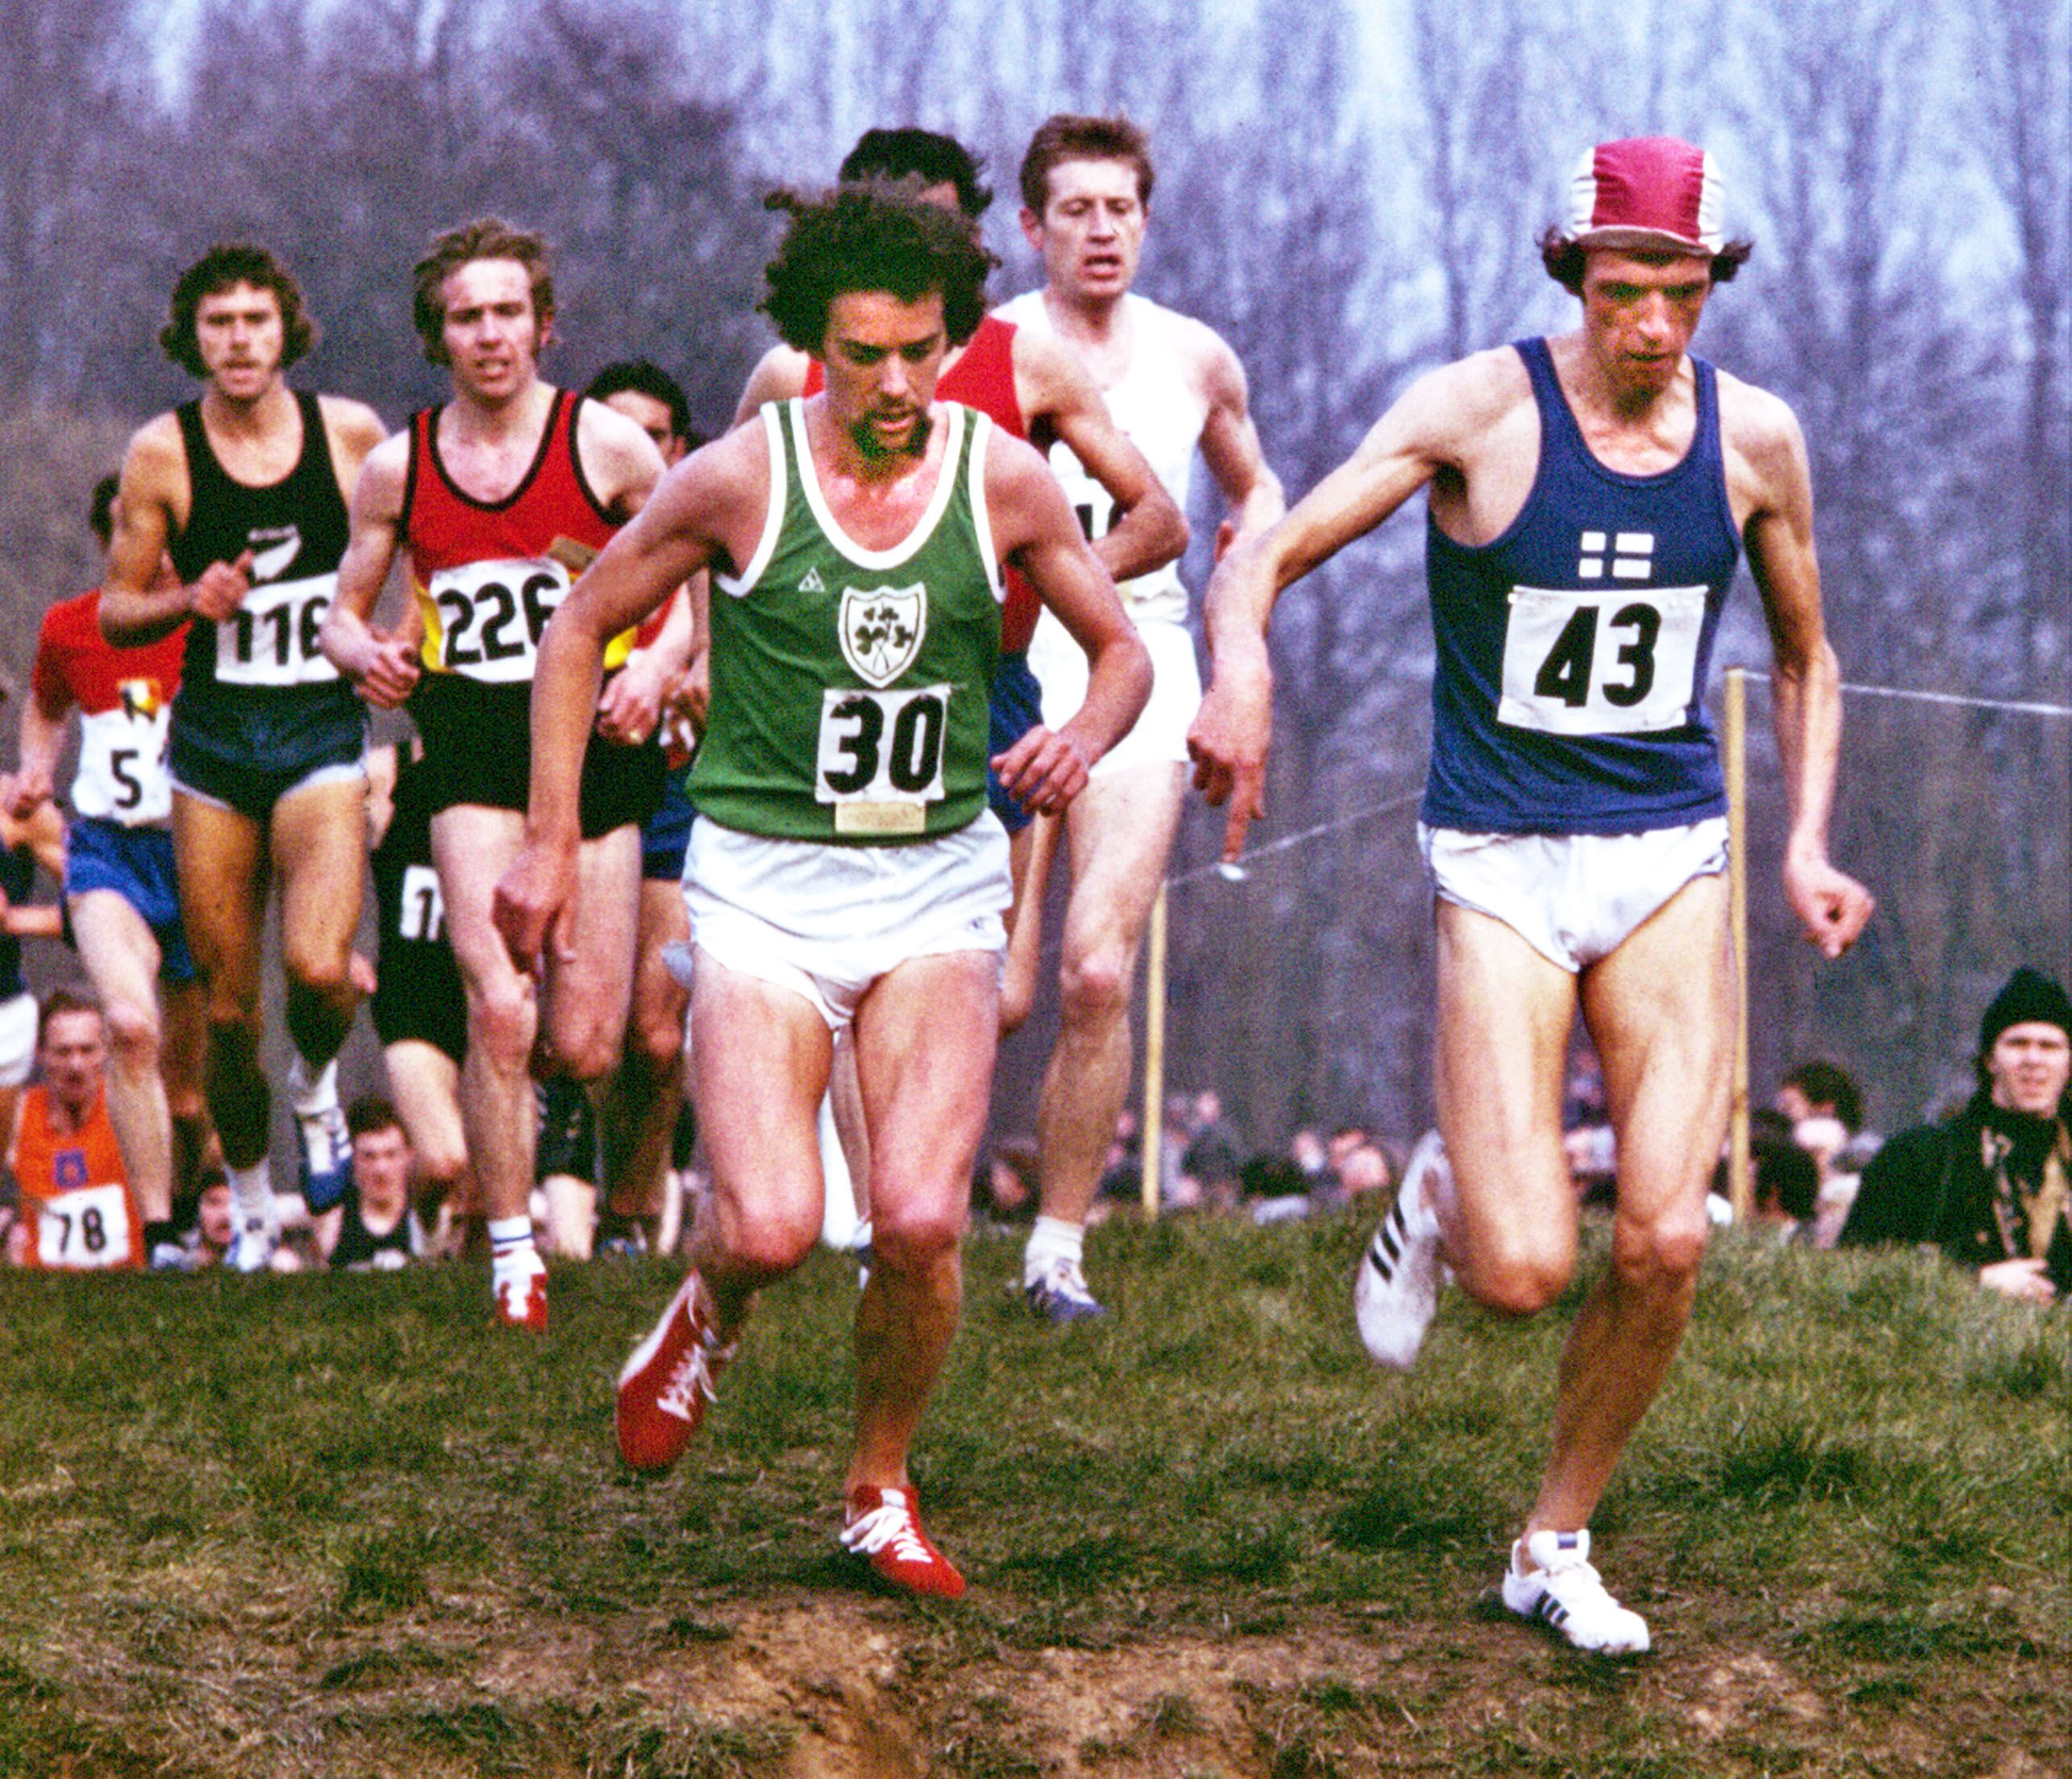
(1396,1291)
(1568,1596)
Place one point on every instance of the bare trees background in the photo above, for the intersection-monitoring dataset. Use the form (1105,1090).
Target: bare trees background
(1349,193)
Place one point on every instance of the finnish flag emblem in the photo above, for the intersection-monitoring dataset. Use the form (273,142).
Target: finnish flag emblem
(881,630)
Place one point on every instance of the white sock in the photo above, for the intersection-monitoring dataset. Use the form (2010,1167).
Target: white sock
(312,1097)
(510,1246)
(1053,1239)
(252,1191)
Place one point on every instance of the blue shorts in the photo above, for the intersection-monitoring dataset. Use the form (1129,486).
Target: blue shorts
(1016,708)
(136,863)
(248,756)
(666,834)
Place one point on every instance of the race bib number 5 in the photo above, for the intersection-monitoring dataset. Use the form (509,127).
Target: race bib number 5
(490,617)
(273,638)
(82,1230)
(880,760)
(1579,662)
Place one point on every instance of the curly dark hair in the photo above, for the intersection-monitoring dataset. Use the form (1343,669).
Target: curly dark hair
(1563,256)
(486,238)
(872,237)
(927,155)
(226,264)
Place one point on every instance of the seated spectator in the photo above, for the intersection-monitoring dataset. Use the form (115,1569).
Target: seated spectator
(1787,1184)
(372,1228)
(78,1213)
(1823,1107)
(1989,1186)
(215,1221)
(1210,1158)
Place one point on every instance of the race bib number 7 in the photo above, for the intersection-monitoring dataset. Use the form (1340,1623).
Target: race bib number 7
(488,616)
(273,637)
(1585,662)
(879,761)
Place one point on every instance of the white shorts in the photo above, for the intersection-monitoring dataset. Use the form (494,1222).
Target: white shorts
(18,1039)
(827,921)
(1160,734)
(1573,897)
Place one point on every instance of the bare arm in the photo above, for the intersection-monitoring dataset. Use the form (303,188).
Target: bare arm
(1149,530)
(139,603)
(1230,736)
(33,780)
(1768,454)
(679,531)
(619,461)
(1231,447)
(383,665)
(632,703)
(1034,529)
(778,375)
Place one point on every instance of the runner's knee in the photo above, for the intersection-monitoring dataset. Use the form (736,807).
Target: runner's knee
(1663,1253)
(1520,1279)
(316,967)
(133,1035)
(913,1238)
(767,1243)
(1095,983)
(503,1021)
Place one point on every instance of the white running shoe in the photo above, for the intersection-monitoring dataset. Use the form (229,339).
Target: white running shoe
(251,1245)
(1396,1291)
(1565,1593)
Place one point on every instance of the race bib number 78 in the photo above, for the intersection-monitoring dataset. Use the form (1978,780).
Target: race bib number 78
(1594,661)
(83,1230)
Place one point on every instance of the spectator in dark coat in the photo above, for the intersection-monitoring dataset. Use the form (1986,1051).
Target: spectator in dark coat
(1989,1187)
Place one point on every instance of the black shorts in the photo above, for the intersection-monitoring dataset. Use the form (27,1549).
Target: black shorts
(478,749)
(418,994)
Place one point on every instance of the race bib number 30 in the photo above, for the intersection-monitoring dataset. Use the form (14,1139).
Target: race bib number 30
(880,757)
(83,1230)
(273,638)
(490,617)
(1579,662)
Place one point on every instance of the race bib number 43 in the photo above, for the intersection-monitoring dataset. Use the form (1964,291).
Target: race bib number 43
(1586,662)
(490,617)
(880,760)
(273,638)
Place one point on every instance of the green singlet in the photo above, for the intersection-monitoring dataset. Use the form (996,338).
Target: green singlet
(850,686)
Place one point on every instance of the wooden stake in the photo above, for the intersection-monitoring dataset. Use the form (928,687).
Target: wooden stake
(1740,1184)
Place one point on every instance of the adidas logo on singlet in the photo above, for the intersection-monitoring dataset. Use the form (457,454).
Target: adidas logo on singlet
(812,583)
(1632,556)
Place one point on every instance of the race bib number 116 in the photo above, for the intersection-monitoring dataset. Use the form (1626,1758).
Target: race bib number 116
(1581,662)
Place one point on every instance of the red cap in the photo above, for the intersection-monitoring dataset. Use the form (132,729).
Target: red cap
(1646,192)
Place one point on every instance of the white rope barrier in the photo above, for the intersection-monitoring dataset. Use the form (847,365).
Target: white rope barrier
(2013,707)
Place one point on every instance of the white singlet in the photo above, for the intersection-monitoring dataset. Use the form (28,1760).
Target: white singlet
(1162,413)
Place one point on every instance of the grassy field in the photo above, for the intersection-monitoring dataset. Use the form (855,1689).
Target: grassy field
(345,1526)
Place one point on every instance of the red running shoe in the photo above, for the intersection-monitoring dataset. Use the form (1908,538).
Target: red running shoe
(882,1526)
(666,1385)
(520,1300)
